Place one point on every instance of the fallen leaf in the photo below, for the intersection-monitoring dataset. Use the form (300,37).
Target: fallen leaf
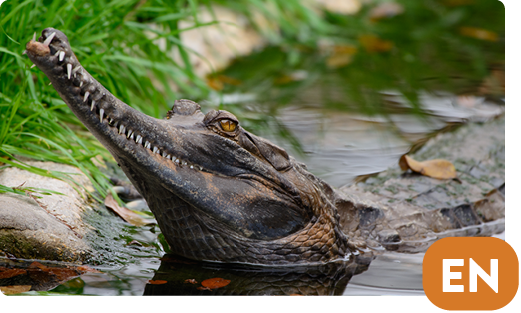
(341,56)
(437,168)
(478,33)
(38,265)
(203,288)
(214,283)
(372,43)
(86,269)
(126,214)
(10,272)
(217,82)
(157,282)
(11,290)
(190,281)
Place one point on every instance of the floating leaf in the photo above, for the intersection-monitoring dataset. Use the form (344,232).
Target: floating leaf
(479,33)
(157,282)
(372,43)
(437,168)
(214,283)
(341,56)
(11,290)
(126,214)
(86,269)
(190,281)
(203,288)
(38,265)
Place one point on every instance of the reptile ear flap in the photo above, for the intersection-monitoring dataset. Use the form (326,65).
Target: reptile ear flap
(275,155)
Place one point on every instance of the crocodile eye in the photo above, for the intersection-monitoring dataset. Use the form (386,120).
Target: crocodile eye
(228,125)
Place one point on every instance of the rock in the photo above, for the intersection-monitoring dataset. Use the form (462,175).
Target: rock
(50,227)
(406,211)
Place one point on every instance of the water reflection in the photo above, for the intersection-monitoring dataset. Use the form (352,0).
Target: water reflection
(338,146)
(176,276)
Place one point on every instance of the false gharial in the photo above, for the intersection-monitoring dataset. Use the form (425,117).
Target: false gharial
(218,192)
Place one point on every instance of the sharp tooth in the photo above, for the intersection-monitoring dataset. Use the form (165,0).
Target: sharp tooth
(34,36)
(200,168)
(122,129)
(33,65)
(69,70)
(116,124)
(168,157)
(138,138)
(81,83)
(61,56)
(163,154)
(177,161)
(93,105)
(191,166)
(86,96)
(57,52)
(184,163)
(25,52)
(77,68)
(49,39)
(101,111)
(111,120)
(155,149)
(132,136)
(147,144)
(130,132)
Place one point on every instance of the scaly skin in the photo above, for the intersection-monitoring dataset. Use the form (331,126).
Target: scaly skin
(218,192)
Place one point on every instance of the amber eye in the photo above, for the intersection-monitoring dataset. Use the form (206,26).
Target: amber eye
(228,125)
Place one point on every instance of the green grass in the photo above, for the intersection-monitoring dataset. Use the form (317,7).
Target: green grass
(115,41)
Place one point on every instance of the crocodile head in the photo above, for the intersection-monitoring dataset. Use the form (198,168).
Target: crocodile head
(218,192)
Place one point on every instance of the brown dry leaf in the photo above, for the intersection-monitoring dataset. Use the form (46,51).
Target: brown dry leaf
(11,290)
(437,168)
(126,214)
(157,282)
(229,80)
(215,83)
(86,269)
(372,43)
(10,272)
(342,55)
(190,281)
(214,283)
(478,33)
(38,265)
